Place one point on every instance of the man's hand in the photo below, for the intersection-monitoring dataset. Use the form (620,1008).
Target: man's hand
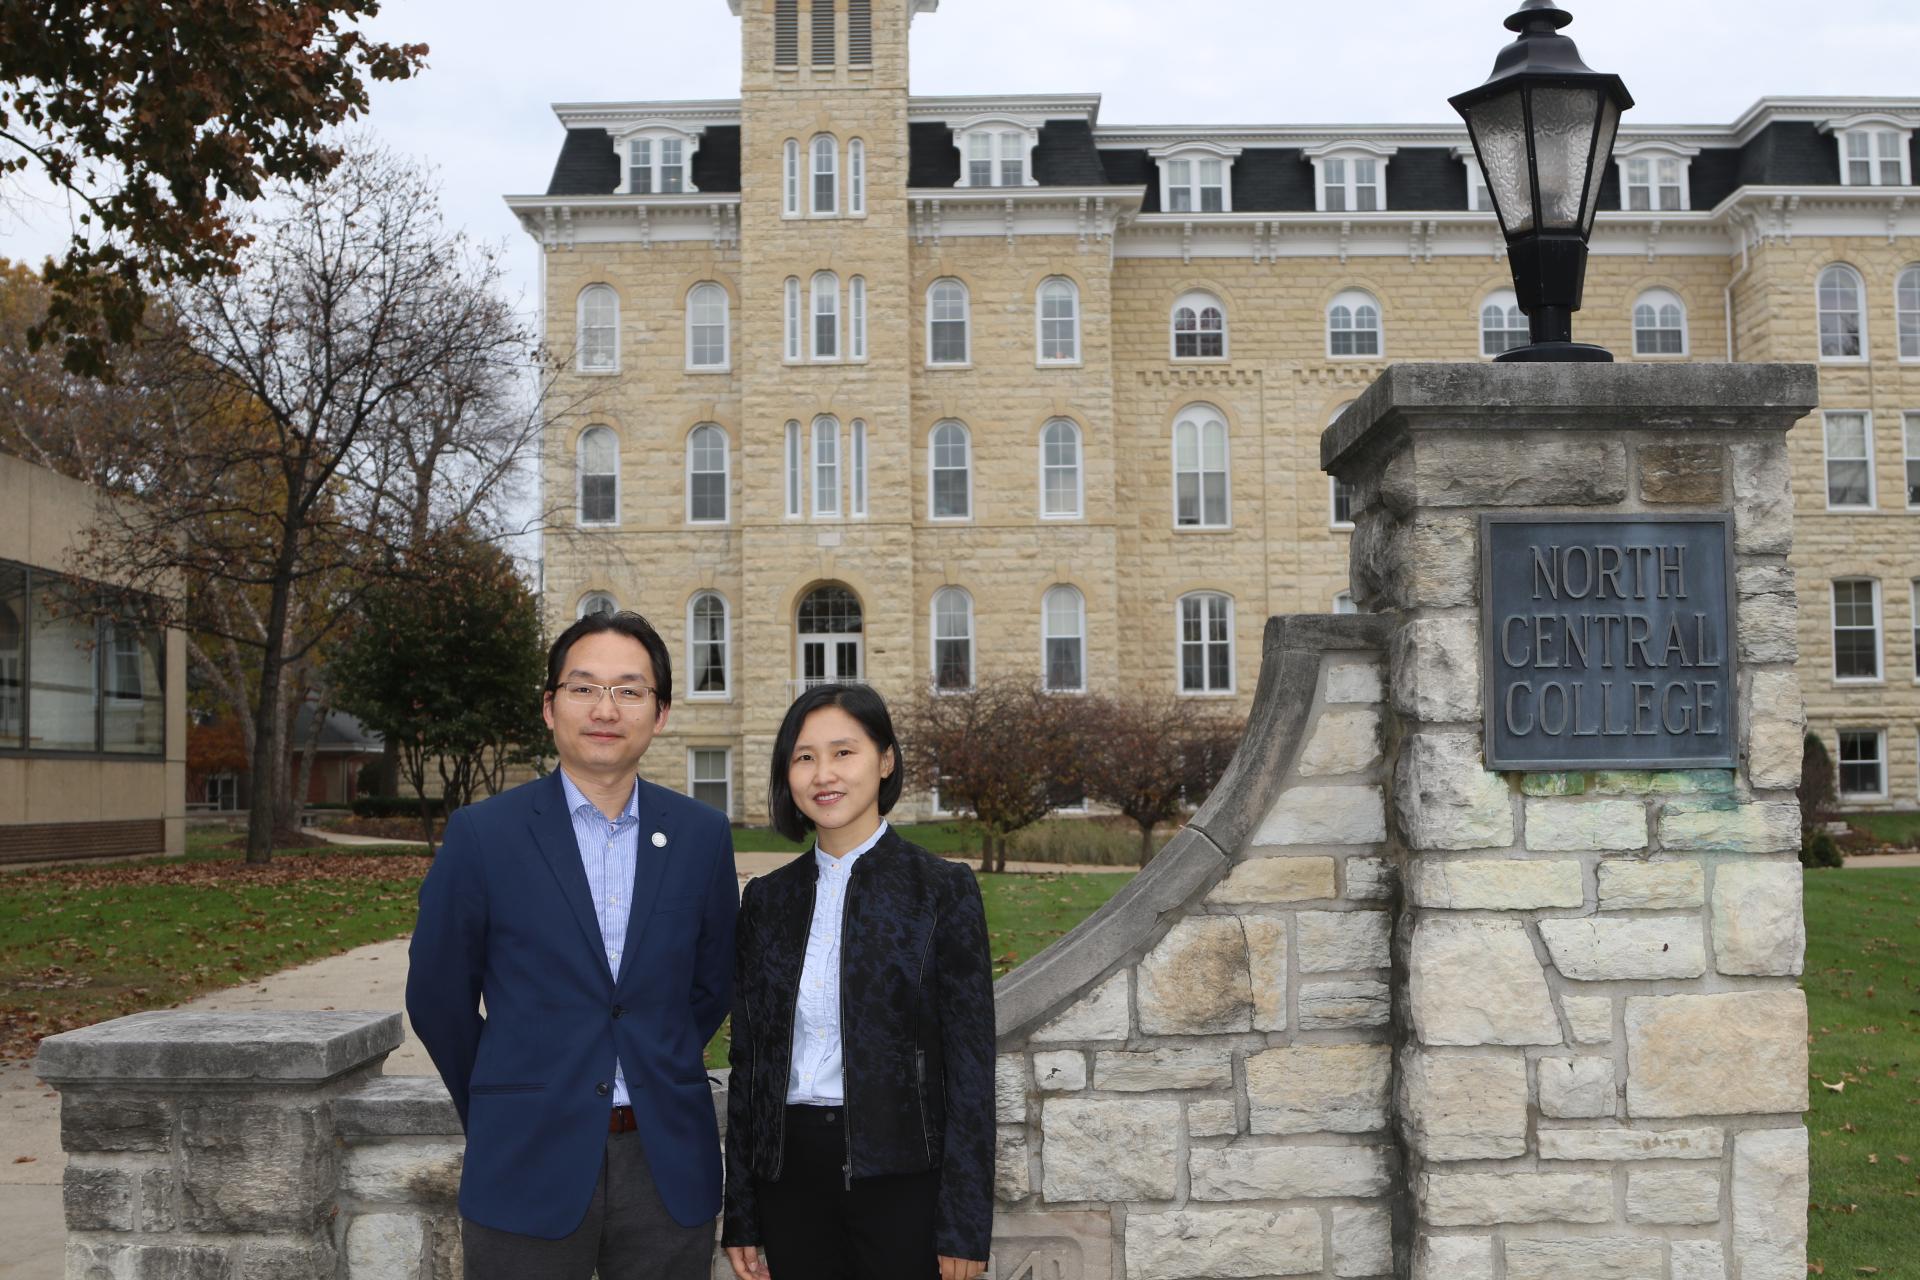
(950,1268)
(749,1265)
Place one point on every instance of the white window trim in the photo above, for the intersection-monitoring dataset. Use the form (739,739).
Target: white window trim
(966,436)
(1654,297)
(1914,269)
(1079,511)
(966,318)
(1880,747)
(996,124)
(654,131)
(726,648)
(1879,633)
(580,605)
(1352,299)
(1080,635)
(1866,315)
(1652,150)
(726,753)
(726,330)
(1195,151)
(934,638)
(1040,323)
(580,328)
(726,475)
(1873,479)
(813,175)
(1872,122)
(1476,180)
(1174,469)
(1357,149)
(580,480)
(1194,298)
(856,178)
(1233,646)
(790,177)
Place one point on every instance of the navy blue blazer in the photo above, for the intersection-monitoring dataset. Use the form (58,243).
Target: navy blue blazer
(506,914)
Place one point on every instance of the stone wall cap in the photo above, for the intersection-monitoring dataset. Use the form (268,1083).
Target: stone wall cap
(395,1107)
(308,1046)
(1659,397)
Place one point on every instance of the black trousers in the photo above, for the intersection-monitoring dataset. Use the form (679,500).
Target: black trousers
(815,1227)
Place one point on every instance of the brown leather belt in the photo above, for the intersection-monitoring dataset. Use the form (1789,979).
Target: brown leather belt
(621,1121)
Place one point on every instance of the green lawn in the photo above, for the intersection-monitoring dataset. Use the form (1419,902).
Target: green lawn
(1863,1002)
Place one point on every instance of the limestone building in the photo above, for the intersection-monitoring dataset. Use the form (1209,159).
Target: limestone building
(924,389)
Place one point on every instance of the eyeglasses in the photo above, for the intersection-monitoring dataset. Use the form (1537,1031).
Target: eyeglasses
(625,696)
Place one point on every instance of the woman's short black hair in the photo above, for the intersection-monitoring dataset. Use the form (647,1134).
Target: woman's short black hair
(627,624)
(864,705)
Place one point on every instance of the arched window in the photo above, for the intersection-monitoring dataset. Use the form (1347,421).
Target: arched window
(1503,325)
(596,602)
(707,646)
(790,180)
(1340,508)
(950,476)
(1659,324)
(826,177)
(1906,311)
(1063,632)
(947,308)
(826,466)
(830,627)
(1199,328)
(599,329)
(1843,321)
(1058,314)
(1206,643)
(1060,483)
(599,471)
(1353,325)
(857,178)
(707,327)
(826,316)
(796,324)
(707,474)
(952,639)
(857,318)
(1200,468)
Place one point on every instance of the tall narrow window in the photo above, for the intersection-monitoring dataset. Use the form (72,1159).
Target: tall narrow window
(640,166)
(1206,643)
(786,33)
(1200,469)
(1856,629)
(1863,759)
(857,178)
(796,469)
(1912,425)
(1060,485)
(952,639)
(857,318)
(1353,325)
(795,325)
(1199,328)
(1906,312)
(826,316)
(1842,319)
(707,644)
(1849,438)
(710,777)
(826,177)
(857,469)
(826,466)
(823,54)
(1063,639)
(947,322)
(707,327)
(599,469)
(951,475)
(599,329)
(1059,319)
(1503,325)
(860,32)
(1659,324)
(790,188)
(707,475)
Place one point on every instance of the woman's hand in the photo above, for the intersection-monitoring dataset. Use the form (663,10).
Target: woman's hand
(749,1265)
(950,1268)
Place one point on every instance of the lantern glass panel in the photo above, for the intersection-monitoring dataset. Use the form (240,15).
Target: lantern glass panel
(1563,127)
(1499,129)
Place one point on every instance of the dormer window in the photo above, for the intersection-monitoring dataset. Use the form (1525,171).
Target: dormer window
(1653,176)
(996,151)
(1349,177)
(656,161)
(1873,150)
(1196,177)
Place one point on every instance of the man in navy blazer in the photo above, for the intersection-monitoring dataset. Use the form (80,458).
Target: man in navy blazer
(593,912)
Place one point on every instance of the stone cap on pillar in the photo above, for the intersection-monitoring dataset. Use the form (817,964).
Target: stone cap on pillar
(1579,397)
(172,1047)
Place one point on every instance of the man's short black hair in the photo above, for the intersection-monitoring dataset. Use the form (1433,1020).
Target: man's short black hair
(627,623)
(865,706)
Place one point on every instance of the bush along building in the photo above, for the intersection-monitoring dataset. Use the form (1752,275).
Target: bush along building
(916,390)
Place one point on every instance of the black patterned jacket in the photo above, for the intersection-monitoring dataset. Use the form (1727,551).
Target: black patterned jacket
(916,1027)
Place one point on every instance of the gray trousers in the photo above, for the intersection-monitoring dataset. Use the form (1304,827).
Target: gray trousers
(627,1234)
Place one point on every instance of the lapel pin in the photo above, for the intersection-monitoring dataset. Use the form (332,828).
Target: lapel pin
(659,839)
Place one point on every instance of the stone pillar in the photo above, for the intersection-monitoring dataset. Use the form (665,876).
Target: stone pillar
(1600,1049)
(202,1146)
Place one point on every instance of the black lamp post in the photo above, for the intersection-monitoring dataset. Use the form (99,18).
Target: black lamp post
(1543,127)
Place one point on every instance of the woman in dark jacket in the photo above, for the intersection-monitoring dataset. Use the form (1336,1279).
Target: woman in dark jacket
(860,1115)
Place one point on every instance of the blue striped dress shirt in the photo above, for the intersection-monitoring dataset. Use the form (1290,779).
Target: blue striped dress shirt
(816,1077)
(610,854)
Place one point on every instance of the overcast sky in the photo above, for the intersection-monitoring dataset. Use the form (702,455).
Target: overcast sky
(480,111)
